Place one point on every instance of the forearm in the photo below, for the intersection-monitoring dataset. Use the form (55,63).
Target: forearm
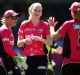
(21,43)
(46,41)
(52,31)
(54,35)
(8,49)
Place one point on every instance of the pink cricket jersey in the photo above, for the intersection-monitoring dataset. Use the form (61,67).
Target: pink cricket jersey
(41,30)
(72,27)
(8,40)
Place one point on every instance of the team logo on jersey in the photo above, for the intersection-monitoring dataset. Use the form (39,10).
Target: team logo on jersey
(76,26)
(40,30)
(5,39)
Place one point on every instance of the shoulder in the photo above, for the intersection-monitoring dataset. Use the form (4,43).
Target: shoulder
(44,23)
(68,22)
(3,28)
(4,31)
(24,23)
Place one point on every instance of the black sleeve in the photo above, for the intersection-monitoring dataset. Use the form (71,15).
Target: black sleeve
(2,53)
(66,47)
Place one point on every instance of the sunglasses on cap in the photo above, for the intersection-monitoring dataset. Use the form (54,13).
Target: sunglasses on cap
(14,17)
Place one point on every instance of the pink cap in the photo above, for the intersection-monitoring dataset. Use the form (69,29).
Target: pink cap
(75,6)
(10,13)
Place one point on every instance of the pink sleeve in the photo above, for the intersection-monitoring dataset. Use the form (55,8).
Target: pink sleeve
(46,30)
(21,30)
(6,43)
(64,28)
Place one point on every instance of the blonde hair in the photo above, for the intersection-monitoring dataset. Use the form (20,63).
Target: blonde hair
(3,21)
(31,7)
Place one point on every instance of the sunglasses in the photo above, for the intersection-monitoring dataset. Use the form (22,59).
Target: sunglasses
(14,17)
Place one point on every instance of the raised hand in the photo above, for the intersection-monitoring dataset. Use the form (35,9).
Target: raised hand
(52,21)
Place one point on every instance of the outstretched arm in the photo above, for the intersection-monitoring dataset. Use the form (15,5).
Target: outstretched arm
(54,35)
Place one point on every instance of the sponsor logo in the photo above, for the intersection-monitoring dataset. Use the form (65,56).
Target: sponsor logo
(5,39)
(76,26)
